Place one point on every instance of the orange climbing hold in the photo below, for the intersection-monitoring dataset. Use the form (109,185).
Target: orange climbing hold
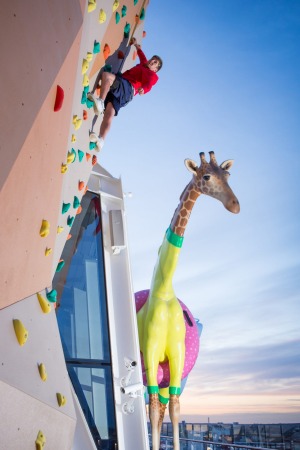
(94,160)
(98,91)
(59,98)
(134,55)
(106,51)
(88,156)
(79,210)
(137,18)
(84,114)
(69,236)
(80,185)
(144,33)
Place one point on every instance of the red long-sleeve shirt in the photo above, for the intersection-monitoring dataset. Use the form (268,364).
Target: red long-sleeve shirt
(140,76)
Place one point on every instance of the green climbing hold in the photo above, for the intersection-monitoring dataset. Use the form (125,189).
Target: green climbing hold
(65,207)
(142,15)
(83,98)
(126,30)
(89,103)
(92,145)
(96,48)
(70,221)
(124,11)
(76,202)
(86,89)
(118,17)
(135,2)
(107,68)
(80,155)
(60,265)
(51,296)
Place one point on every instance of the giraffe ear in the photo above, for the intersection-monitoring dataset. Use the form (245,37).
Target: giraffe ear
(226,165)
(191,166)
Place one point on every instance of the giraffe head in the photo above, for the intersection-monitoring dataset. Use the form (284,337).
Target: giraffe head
(212,179)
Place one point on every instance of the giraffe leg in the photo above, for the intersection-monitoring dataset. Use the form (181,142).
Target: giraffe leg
(154,414)
(174,411)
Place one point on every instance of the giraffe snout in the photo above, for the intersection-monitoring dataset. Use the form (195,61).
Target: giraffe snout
(233,206)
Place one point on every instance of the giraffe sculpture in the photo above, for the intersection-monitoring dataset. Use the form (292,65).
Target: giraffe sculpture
(160,321)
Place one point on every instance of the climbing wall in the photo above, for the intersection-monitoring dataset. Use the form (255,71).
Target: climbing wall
(46,157)
(53,53)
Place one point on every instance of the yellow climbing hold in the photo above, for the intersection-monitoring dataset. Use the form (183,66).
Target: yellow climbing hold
(45,228)
(85,81)
(77,123)
(73,138)
(91,5)
(42,371)
(70,157)
(48,251)
(115,5)
(102,16)
(89,56)
(21,332)
(63,168)
(85,66)
(59,229)
(44,303)
(61,399)
(40,441)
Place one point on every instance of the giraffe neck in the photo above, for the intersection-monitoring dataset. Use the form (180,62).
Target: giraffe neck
(183,211)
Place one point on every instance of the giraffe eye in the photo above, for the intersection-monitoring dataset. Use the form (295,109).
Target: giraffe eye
(206,177)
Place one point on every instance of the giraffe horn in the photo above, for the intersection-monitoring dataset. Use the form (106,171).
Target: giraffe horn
(213,158)
(202,158)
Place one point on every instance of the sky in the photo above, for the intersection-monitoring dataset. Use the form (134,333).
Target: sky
(229,83)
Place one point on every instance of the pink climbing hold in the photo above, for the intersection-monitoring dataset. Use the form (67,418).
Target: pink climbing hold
(59,98)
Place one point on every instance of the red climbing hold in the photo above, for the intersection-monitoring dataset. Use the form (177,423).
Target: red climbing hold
(84,114)
(106,51)
(120,54)
(59,98)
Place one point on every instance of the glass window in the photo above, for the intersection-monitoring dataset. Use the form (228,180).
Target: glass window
(83,323)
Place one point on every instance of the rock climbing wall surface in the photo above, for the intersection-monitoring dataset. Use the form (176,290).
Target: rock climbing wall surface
(54,52)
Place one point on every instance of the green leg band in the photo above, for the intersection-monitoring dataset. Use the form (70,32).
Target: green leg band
(152,389)
(174,390)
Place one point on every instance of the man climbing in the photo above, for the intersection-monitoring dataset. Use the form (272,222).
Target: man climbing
(117,90)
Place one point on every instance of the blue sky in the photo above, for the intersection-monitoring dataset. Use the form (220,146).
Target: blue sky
(230,83)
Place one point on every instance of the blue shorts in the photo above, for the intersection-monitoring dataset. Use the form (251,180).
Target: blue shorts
(120,93)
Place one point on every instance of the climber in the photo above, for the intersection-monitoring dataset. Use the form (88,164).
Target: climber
(117,90)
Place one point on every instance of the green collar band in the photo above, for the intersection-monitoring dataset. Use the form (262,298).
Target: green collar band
(173,238)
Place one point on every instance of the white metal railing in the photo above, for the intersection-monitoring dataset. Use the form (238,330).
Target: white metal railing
(166,443)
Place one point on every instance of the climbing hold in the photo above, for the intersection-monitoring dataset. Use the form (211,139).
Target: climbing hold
(69,236)
(51,296)
(80,155)
(88,156)
(102,17)
(63,168)
(92,145)
(65,207)
(115,5)
(118,17)
(85,81)
(126,30)
(73,138)
(124,11)
(89,56)
(83,98)
(107,68)
(106,51)
(96,48)
(142,15)
(94,160)
(85,66)
(79,210)
(40,441)
(48,251)
(144,33)
(135,2)
(80,185)
(76,202)
(84,114)
(98,90)
(42,371)
(45,228)
(71,156)
(61,399)
(89,103)
(60,265)
(120,54)
(91,5)
(20,331)
(70,221)
(78,123)
(44,304)
(59,98)
(134,55)
(137,19)
(59,229)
